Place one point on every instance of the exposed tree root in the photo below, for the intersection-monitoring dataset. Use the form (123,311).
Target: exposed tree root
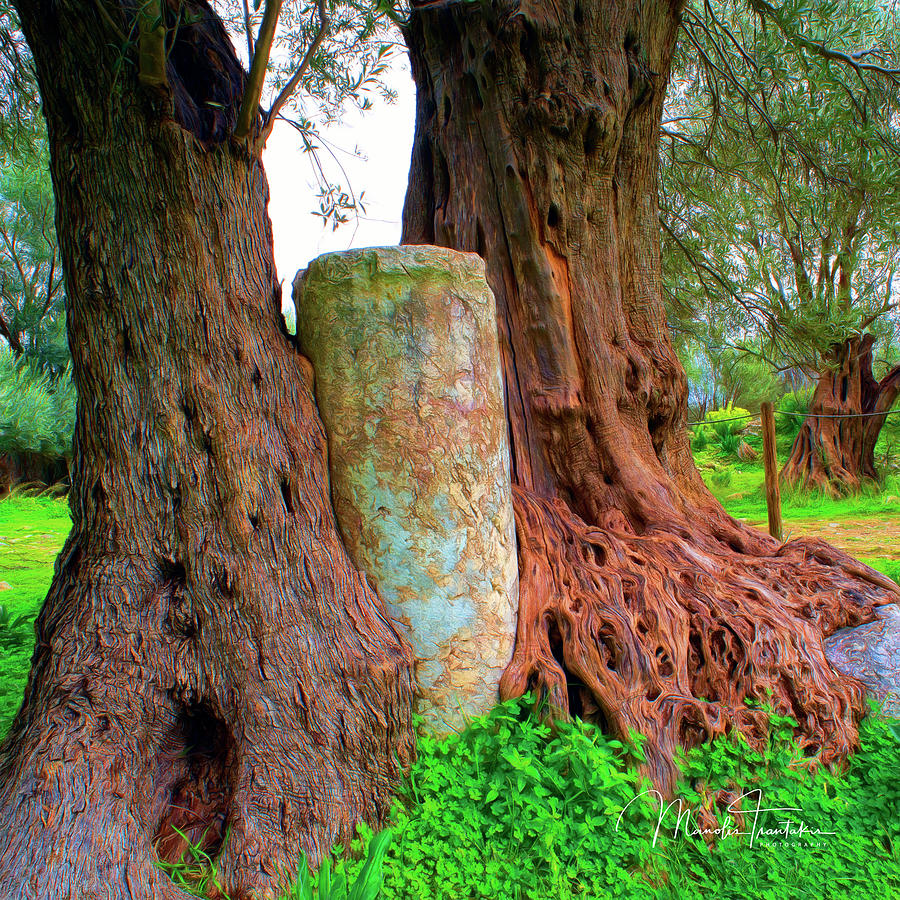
(670,636)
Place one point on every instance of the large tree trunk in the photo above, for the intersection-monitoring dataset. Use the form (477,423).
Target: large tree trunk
(207,658)
(834,454)
(642,604)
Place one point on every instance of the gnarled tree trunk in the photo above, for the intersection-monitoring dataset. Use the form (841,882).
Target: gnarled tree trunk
(642,604)
(207,658)
(835,449)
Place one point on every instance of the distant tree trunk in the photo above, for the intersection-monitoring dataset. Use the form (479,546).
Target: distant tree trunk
(836,455)
(30,468)
(207,658)
(642,604)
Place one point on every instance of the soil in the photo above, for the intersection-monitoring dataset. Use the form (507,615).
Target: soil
(873,536)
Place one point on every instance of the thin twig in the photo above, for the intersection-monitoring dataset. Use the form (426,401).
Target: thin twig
(248,27)
(295,79)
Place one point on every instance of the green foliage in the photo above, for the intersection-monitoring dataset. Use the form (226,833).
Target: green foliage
(729,443)
(195,872)
(699,441)
(748,380)
(857,813)
(779,186)
(333,884)
(731,420)
(20,110)
(793,408)
(723,427)
(32,295)
(511,809)
(13,634)
(37,411)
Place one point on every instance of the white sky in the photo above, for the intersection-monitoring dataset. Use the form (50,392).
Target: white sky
(384,136)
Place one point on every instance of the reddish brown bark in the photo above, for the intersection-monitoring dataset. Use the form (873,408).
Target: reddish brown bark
(834,451)
(643,605)
(207,658)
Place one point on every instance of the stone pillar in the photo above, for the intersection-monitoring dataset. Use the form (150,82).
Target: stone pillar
(408,382)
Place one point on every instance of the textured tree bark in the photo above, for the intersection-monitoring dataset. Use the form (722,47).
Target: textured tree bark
(207,658)
(836,455)
(642,604)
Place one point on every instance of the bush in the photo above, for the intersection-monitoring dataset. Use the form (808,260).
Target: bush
(37,411)
(794,408)
(730,443)
(700,441)
(722,426)
(728,420)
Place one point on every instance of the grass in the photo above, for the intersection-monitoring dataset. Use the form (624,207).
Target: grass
(739,487)
(32,531)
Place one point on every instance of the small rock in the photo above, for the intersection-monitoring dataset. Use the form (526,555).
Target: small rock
(5,586)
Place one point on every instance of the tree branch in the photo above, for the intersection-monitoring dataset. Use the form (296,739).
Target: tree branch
(257,76)
(248,27)
(152,45)
(295,79)
(852,60)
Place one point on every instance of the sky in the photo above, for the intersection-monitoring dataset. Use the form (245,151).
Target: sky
(384,136)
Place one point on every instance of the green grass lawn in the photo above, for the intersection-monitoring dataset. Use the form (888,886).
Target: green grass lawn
(32,531)
(738,486)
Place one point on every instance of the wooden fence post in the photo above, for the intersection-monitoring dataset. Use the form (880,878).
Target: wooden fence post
(773,491)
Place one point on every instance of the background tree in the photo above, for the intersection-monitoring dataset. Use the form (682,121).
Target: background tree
(32,298)
(718,373)
(781,199)
(207,659)
(37,402)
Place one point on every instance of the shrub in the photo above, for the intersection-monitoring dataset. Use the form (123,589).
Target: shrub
(37,411)
(722,426)
(730,443)
(699,441)
(793,408)
(728,420)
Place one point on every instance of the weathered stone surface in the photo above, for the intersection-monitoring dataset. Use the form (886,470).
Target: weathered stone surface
(408,382)
(872,654)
